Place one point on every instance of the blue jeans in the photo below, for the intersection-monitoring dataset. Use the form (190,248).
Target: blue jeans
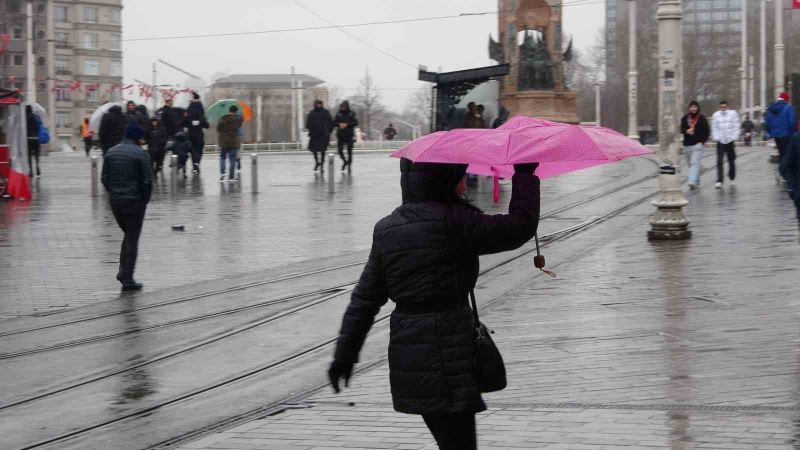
(230,153)
(694,155)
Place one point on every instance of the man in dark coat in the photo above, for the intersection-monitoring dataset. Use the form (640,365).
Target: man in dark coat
(195,123)
(171,118)
(790,171)
(319,124)
(127,176)
(346,123)
(389,133)
(156,138)
(112,128)
(425,258)
(696,131)
(32,125)
(229,141)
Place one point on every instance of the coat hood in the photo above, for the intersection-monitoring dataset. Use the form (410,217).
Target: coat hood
(181,136)
(777,107)
(116,109)
(429,182)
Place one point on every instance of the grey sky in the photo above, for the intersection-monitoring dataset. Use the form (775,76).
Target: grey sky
(451,44)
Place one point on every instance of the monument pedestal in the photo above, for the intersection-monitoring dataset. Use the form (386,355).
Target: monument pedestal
(558,106)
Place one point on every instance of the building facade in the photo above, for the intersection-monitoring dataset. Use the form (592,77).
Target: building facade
(274,93)
(78,52)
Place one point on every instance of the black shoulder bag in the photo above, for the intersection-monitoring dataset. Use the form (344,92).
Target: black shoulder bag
(489,367)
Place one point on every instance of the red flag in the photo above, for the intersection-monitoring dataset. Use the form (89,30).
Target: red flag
(796,4)
(4,39)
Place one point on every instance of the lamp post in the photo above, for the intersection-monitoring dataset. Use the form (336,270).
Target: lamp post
(762,98)
(780,48)
(597,102)
(669,221)
(743,67)
(633,75)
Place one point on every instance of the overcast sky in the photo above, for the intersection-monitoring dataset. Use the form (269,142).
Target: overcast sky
(331,55)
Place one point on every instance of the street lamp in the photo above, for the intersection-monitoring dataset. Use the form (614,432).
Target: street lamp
(633,75)
(597,103)
(779,48)
(669,221)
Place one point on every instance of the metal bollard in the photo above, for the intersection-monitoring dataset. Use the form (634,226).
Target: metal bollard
(254,172)
(94,176)
(331,162)
(173,168)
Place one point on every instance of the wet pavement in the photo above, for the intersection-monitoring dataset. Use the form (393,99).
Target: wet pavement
(61,250)
(635,345)
(689,345)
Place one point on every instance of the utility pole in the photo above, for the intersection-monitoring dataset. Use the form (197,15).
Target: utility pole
(300,121)
(293,134)
(751,79)
(597,103)
(633,75)
(669,221)
(762,100)
(743,67)
(51,84)
(780,49)
(155,90)
(30,82)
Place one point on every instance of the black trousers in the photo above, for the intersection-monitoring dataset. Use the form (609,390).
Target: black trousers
(783,144)
(33,153)
(157,157)
(723,151)
(453,431)
(197,155)
(342,143)
(87,145)
(130,217)
(319,158)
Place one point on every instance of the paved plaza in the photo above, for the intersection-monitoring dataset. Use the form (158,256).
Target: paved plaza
(636,345)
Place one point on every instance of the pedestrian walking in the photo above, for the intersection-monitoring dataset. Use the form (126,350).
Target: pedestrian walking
(473,118)
(346,123)
(229,141)
(319,124)
(183,148)
(502,117)
(424,257)
(86,135)
(781,123)
(790,170)
(171,118)
(390,132)
(33,124)
(748,129)
(694,128)
(156,138)
(133,114)
(725,130)
(127,176)
(112,128)
(195,123)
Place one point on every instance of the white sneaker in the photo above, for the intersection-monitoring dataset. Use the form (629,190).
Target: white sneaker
(222,177)
(718,185)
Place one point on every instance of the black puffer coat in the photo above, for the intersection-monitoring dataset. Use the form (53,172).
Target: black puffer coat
(425,258)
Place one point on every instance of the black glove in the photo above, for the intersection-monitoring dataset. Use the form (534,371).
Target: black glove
(340,370)
(526,168)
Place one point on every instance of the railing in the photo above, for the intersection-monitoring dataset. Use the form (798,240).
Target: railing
(278,147)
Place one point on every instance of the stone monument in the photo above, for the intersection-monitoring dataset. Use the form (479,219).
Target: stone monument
(530,41)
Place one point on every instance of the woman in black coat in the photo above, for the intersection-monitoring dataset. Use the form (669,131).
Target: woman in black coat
(425,258)
(319,124)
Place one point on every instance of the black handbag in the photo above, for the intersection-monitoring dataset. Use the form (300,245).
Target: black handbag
(489,366)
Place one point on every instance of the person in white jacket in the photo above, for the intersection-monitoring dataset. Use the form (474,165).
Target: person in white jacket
(725,129)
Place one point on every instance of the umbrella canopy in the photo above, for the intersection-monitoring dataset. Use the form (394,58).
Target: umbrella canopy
(558,148)
(222,107)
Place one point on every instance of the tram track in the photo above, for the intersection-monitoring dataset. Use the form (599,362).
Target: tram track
(547,240)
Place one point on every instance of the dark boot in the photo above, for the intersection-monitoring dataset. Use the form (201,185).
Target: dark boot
(132,286)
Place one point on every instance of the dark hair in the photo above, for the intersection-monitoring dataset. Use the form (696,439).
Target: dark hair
(694,103)
(724,102)
(233,109)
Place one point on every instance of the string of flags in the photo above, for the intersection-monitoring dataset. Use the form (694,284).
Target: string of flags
(105,90)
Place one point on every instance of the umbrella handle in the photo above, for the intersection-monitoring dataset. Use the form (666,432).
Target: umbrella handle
(539,261)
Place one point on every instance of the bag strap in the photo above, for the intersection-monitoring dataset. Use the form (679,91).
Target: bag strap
(474,307)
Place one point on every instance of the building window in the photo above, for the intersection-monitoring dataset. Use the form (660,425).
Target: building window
(61,37)
(90,14)
(116,42)
(61,65)
(19,60)
(63,120)
(60,13)
(41,61)
(18,33)
(115,68)
(91,67)
(92,96)
(63,95)
(90,41)
(116,16)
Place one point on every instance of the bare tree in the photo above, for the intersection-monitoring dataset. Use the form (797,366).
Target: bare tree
(418,108)
(367,103)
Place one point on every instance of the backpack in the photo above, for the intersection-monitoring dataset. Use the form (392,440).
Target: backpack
(44,133)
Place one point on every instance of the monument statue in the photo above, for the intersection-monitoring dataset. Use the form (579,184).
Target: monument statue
(529,40)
